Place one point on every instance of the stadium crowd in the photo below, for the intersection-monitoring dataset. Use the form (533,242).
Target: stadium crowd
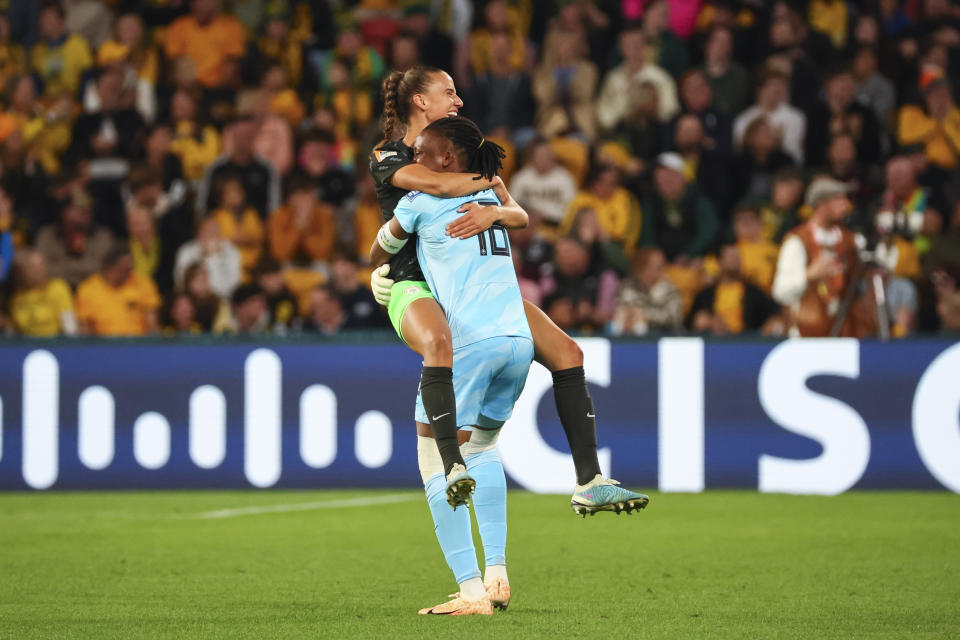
(707,166)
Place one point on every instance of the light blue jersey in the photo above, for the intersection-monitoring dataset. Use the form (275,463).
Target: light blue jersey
(473,279)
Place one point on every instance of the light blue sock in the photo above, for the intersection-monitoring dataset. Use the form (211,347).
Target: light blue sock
(490,504)
(453,531)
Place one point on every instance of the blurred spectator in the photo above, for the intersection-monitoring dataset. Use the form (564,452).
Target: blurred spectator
(107,141)
(789,125)
(617,209)
(543,187)
(350,64)
(59,58)
(944,253)
(208,38)
(239,222)
(195,144)
(781,212)
(436,48)
(734,304)
(44,132)
(333,184)
(564,86)
(326,312)
(281,305)
(404,51)
(497,20)
(839,112)
(75,247)
(145,245)
(640,132)
(613,104)
(703,165)
(948,300)
(139,61)
(817,263)
(664,47)
(212,312)
(273,138)
(220,258)
(179,316)
(647,302)
(260,179)
(302,230)
(117,301)
(607,259)
(360,308)
(161,162)
(280,44)
(12,58)
(697,98)
(573,296)
(173,221)
(904,202)
(842,164)
(359,219)
(758,256)
(729,80)
(938,128)
(758,161)
(40,305)
(676,217)
(501,96)
(873,88)
(350,104)
(280,97)
(250,314)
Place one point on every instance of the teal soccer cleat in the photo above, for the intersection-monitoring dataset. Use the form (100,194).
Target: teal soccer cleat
(459,485)
(601,494)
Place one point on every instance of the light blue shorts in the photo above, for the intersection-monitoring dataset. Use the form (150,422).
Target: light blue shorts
(488,377)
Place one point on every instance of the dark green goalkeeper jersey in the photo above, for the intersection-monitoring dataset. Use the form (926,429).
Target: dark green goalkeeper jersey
(385,161)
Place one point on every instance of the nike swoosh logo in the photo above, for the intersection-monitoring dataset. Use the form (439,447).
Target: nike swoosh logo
(590,415)
(441,415)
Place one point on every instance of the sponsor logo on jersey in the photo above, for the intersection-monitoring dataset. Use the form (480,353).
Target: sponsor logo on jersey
(413,194)
(383,155)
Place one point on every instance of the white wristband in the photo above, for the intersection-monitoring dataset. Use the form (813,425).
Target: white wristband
(390,243)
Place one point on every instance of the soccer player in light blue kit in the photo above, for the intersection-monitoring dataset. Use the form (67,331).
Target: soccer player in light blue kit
(475,283)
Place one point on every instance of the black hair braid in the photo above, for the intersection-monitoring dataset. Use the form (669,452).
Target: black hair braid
(482,156)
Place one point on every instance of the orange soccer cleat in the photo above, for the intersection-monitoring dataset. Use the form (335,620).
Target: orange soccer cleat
(499,593)
(460,607)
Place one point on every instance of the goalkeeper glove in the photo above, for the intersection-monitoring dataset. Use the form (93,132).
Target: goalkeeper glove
(381,285)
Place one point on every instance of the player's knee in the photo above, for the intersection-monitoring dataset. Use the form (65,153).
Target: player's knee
(568,356)
(438,349)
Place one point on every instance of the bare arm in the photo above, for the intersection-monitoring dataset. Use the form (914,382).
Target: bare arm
(380,256)
(416,177)
(477,218)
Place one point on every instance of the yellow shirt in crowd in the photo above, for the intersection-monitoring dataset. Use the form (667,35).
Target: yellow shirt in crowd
(208,46)
(250,226)
(117,311)
(196,153)
(941,139)
(60,67)
(758,262)
(728,304)
(619,215)
(37,312)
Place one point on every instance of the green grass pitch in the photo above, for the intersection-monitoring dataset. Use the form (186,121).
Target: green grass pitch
(717,565)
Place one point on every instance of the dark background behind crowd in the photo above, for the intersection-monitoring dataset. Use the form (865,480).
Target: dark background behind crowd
(192,166)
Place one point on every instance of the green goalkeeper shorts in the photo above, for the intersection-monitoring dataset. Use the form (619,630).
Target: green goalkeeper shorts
(401,295)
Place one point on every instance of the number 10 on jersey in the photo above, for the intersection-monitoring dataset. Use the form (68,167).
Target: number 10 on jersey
(494,241)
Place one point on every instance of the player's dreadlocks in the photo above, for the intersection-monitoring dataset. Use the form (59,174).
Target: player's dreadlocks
(399,87)
(482,156)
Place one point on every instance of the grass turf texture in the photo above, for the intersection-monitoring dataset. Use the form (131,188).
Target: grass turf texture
(720,564)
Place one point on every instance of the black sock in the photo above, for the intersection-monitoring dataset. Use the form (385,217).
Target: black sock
(436,391)
(575,407)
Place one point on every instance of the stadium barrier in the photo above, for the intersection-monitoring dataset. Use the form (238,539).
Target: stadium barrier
(681,414)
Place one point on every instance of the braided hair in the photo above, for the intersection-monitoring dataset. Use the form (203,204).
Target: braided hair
(399,87)
(481,155)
